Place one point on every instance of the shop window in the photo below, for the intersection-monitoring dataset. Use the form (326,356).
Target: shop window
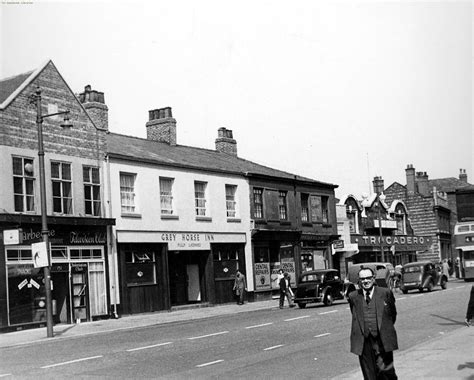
(140,268)
(62,187)
(23,184)
(258,203)
(230,201)
(282,205)
(91,178)
(22,254)
(304,208)
(226,260)
(166,196)
(127,193)
(200,198)
(97,289)
(85,253)
(59,253)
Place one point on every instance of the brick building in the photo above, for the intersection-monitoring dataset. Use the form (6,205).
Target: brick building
(75,211)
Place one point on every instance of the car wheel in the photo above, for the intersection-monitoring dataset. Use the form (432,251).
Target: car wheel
(301,305)
(404,291)
(328,300)
(443,283)
(420,289)
(430,286)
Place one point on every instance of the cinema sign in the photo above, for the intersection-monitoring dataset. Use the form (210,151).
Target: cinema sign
(400,242)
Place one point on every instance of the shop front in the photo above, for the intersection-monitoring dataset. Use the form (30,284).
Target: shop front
(397,249)
(182,268)
(78,277)
(273,250)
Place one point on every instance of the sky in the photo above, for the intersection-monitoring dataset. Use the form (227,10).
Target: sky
(338,91)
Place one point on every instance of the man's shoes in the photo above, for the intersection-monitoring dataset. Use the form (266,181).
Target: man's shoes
(292,305)
(281,307)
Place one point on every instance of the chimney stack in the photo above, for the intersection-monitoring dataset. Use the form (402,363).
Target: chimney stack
(94,103)
(225,142)
(421,180)
(161,126)
(378,185)
(410,173)
(463,175)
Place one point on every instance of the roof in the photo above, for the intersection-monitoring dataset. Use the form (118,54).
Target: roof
(449,184)
(9,85)
(144,150)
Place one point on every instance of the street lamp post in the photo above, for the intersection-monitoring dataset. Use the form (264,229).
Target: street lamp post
(36,100)
(380,199)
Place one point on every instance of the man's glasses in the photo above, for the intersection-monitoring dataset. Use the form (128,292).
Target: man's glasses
(366,278)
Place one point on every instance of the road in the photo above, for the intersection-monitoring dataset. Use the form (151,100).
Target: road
(273,343)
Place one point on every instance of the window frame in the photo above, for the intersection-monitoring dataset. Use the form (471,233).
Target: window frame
(200,200)
(283,205)
(28,182)
(90,186)
(231,201)
(166,198)
(258,209)
(66,202)
(132,206)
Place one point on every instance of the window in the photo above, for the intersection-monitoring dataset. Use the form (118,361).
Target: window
(23,184)
(304,208)
(230,202)
(258,203)
(352,216)
(400,218)
(127,192)
(200,198)
(325,209)
(140,267)
(91,178)
(282,208)
(62,187)
(319,209)
(166,196)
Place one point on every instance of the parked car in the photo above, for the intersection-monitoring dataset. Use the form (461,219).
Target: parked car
(422,275)
(323,285)
(383,275)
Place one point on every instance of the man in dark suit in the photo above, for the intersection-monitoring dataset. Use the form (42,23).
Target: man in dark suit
(373,335)
(285,291)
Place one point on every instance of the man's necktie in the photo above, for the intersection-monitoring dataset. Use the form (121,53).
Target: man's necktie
(367,297)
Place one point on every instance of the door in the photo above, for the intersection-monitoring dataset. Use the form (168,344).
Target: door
(194,288)
(60,294)
(80,292)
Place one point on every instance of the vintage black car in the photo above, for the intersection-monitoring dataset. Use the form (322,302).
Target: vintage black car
(323,285)
(422,275)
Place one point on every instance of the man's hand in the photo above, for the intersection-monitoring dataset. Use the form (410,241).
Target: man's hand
(468,322)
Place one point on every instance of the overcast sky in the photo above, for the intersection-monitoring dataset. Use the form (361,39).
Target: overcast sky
(338,91)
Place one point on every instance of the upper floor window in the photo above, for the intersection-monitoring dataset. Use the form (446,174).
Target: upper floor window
(127,192)
(62,187)
(23,184)
(282,207)
(400,218)
(200,198)
(258,203)
(319,209)
(166,195)
(91,178)
(325,209)
(304,208)
(230,201)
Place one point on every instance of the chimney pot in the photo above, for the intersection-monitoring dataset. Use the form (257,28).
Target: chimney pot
(225,142)
(161,126)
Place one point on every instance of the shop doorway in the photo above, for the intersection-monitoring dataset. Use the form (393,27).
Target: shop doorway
(61,298)
(186,273)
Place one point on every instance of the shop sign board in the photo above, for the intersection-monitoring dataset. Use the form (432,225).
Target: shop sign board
(262,276)
(12,237)
(400,242)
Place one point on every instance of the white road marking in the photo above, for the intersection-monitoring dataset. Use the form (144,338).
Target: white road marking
(401,298)
(273,347)
(153,346)
(210,363)
(348,308)
(327,312)
(417,295)
(5,374)
(459,287)
(72,361)
(448,289)
(294,319)
(320,335)
(208,335)
(263,324)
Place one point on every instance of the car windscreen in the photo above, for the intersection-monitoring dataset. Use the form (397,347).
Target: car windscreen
(412,269)
(313,277)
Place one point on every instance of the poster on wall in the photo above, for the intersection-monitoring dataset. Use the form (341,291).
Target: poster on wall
(288,266)
(262,276)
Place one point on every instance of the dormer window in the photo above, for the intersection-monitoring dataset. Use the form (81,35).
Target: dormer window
(401,219)
(352,216)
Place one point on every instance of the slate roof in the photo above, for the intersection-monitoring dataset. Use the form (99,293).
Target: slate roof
(144,150)
(449,184)
(9,85)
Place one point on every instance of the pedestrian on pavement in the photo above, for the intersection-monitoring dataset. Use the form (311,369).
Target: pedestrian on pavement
(373,335)
(470,308)
(445,267)
(240,287)
(285,291)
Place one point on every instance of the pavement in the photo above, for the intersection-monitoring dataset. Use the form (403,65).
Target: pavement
(448,356)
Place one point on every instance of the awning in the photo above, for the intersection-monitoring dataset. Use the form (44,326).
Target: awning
(466,248)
